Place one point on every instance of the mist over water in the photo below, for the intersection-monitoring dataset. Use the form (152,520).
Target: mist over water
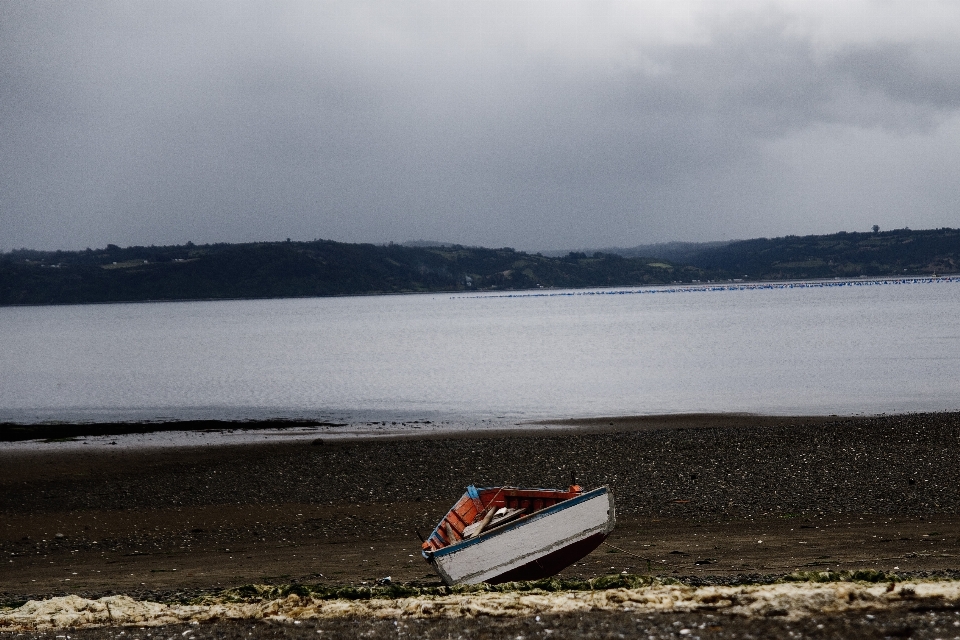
(825,350)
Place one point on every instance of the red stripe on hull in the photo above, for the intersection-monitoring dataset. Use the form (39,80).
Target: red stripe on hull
(552,563)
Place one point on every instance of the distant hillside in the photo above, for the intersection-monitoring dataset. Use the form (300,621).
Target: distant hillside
(888,253)
(294,269)
(844,255)
(324,268)
(681,252)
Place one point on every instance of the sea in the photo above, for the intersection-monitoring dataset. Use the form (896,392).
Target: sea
(835,347)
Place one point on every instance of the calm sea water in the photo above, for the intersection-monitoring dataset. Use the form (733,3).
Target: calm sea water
(801,350)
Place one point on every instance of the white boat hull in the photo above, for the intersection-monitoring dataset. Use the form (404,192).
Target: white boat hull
(532,546)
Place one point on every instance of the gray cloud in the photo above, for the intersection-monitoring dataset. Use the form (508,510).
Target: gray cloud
(531,125)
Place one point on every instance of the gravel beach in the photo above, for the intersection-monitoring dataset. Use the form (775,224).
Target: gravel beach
(703,498)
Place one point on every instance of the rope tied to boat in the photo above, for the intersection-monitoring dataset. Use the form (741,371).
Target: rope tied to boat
(629,554)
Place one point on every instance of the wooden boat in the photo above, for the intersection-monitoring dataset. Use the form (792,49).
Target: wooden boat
(502,534)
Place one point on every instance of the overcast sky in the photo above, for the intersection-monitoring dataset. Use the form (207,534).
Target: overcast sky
(536,125)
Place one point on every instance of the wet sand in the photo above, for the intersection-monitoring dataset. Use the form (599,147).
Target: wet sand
(708,498)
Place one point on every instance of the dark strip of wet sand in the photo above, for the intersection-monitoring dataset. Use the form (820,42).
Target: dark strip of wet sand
(16,432)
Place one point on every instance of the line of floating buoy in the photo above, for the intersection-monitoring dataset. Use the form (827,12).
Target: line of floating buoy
(744,286)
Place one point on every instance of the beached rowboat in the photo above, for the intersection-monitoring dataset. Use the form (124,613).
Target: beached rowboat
(502,534)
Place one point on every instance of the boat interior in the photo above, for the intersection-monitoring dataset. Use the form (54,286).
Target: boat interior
(483,511)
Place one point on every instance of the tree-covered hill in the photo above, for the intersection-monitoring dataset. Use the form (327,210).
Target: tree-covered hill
(323,267)
(845,255)
(292,269)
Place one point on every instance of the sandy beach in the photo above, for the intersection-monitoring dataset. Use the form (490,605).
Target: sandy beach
(709,499)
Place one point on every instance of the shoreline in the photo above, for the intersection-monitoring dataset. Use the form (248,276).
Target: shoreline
(731,283)
(41,437)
